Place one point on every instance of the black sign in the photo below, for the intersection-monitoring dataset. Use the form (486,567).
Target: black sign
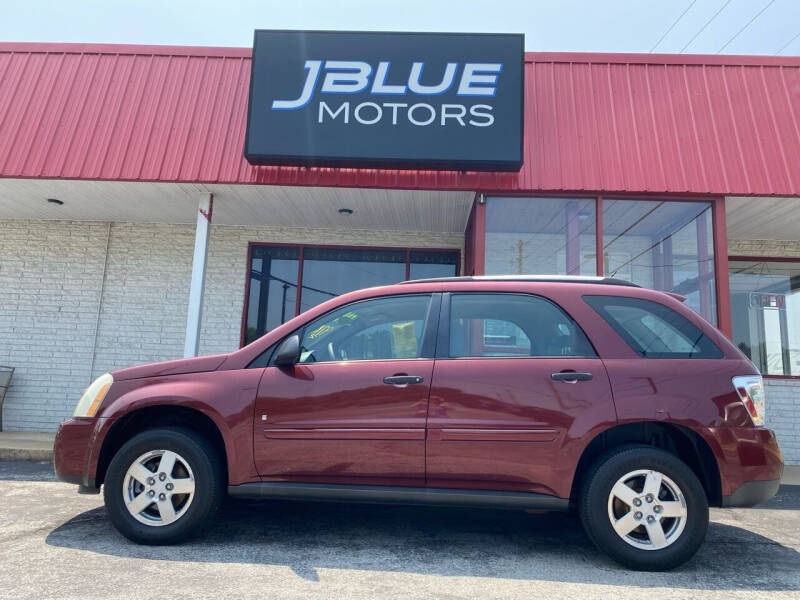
(393,100)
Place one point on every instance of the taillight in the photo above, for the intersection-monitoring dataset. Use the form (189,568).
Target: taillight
(751,392)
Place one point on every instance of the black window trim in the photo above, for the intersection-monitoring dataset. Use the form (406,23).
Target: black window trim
(637,348)
(443,339)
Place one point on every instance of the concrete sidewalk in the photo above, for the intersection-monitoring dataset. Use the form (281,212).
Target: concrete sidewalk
(26,445)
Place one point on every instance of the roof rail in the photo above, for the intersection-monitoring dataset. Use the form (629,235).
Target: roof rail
(529,278)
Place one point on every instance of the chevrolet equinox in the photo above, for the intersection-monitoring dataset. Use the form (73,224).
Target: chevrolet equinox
(547,393)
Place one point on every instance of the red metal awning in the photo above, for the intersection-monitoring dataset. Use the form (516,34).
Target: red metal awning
(594,122)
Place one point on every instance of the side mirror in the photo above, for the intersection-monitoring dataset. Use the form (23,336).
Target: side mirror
(288,353)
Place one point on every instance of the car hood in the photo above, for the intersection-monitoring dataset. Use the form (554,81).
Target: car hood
(179,366)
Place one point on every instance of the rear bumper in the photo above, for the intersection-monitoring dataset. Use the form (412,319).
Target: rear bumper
(752,493)
(751,464)
(71,450)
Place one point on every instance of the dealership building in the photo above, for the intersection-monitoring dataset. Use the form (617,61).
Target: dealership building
(156,202)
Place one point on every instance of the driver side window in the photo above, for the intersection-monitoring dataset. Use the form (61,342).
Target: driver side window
(379,329)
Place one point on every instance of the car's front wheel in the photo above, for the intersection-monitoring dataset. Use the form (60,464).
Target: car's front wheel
(163,485)
(644,507)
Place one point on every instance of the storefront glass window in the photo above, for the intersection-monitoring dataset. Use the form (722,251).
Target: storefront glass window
(273,288)
(425,265)
(329,272)
(662,245)
(276,271)
(765,310)
(540,236)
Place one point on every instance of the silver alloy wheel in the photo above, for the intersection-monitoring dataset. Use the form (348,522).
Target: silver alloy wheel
(647,509)
(158,488)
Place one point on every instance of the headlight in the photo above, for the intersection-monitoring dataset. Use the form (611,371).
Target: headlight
(90,401)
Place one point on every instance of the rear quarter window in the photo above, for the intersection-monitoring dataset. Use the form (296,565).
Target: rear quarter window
(653,330)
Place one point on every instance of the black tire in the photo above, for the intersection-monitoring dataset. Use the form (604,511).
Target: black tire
(209,491)
(593,507)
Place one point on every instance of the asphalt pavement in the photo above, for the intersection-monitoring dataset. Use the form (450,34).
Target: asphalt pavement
(55,543)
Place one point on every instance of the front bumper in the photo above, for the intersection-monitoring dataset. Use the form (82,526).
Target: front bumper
(71,451)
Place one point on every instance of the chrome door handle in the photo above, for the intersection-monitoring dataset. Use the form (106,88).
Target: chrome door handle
(403,379)
(571,376)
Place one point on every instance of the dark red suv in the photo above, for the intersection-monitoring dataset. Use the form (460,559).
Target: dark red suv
(513,392)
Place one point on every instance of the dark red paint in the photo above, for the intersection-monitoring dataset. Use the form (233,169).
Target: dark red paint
(340,421)
(485,423)
(503,422)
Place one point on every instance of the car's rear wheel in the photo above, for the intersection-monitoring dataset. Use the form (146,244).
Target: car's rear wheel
(644,507)
(163,485)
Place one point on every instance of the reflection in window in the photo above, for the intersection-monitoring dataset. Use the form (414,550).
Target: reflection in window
(384,328)
(276,272)
(765,309)
(273,289)
(425,265)
(512,325)
(330,272)
(540,236)
(662,245)
(652,329)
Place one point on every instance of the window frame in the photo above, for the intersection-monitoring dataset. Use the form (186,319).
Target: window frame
(443,338)
(751,258)
(408,250)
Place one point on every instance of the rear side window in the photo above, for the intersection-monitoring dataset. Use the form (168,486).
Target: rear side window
(652,329)
(511,325)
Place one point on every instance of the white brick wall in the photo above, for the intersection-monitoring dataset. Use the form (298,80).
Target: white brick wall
(783,415)
(51,275)
(788,248)
(143,315)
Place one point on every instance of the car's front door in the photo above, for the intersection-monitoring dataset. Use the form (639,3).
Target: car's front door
(515,377)
(353,409)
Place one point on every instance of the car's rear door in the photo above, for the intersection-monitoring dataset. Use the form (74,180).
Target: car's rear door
(514,377)
(353,410)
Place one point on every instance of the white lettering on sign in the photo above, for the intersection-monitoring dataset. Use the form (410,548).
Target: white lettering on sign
(379,86)
(354,77)
(475,84)
(333,114)
(345,77)
(427,90)
(313,68)
(420,114)
(453,111)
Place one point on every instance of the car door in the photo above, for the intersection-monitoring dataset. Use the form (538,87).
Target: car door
(515,378)
(353,409)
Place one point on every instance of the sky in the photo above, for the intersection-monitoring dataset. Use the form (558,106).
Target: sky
(668,26)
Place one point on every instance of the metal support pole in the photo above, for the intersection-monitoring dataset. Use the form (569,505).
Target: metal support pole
(703,266)
(572,238)
(721,276)
(195,312)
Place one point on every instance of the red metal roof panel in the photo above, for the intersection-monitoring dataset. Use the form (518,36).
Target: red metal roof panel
(622,123)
